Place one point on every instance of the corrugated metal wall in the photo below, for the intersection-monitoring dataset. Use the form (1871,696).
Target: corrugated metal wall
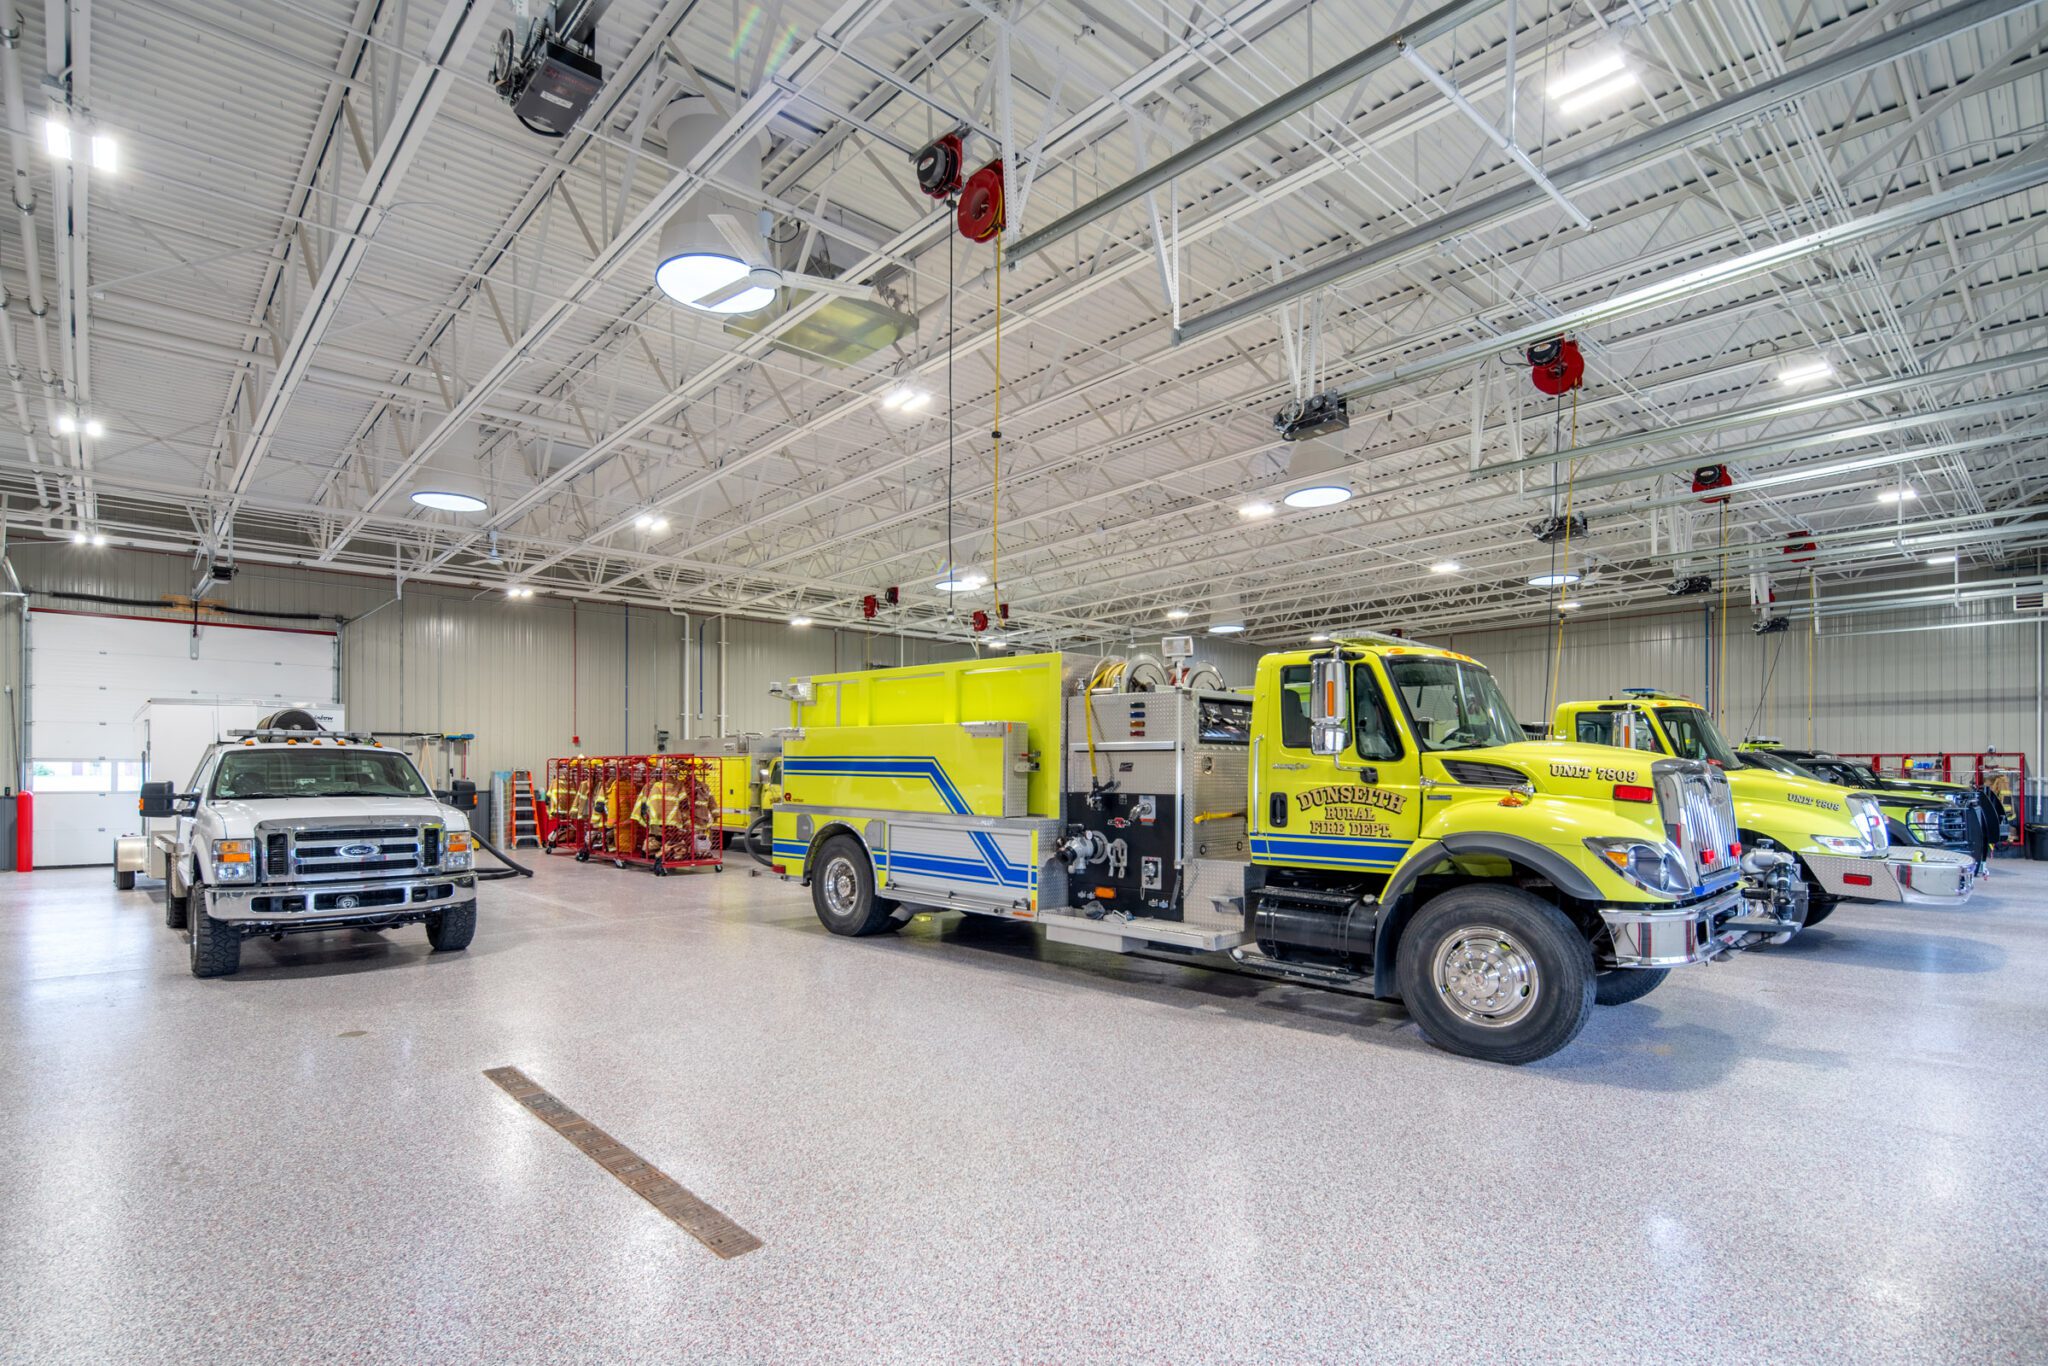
(529,676)
(1876,687)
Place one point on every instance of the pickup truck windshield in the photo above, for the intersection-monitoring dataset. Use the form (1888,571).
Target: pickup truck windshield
(254,774)
(1693,736)
(1775,763)
(1452,704)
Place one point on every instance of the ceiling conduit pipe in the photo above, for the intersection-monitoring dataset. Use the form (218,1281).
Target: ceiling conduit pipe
(1664,140)
(65,71)
(25,211)
(21,413)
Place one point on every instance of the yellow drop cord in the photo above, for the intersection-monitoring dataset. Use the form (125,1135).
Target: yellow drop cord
(1812,634)
(1565,562)
(1721,653)
(995,523)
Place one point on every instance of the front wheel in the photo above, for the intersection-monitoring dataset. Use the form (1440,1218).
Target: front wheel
(1819,907)
(216,945)
(843,890)
(175,902)
(1496,973)
(1619,986)
(451,930)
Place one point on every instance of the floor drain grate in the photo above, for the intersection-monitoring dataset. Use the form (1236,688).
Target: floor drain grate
(649,1182)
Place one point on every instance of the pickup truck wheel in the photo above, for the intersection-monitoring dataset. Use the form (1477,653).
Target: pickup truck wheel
(1496,973)
(1819,908)
(452,929)
(1619,986)
(174,901)
(843,889)
(216,946)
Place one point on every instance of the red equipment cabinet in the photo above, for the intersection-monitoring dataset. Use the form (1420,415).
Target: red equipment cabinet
(2003,772)
(566,806)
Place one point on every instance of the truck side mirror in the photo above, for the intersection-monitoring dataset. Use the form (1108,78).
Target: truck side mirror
(462,795)
(1329,698)
(158,799)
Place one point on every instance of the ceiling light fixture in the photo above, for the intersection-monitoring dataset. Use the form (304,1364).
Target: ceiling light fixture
(1806,372)
(95,428)
(1941,559)
(517,591)
(78,538)
(106,154)
(1251,512)
(1445,567)
(1319,639)
(1318,496)
(1593,69)
(66,424)
(1597,94)
(651,521)
(965,583)
(1226,615)
(1177,614)
(799,621)
(57,138)
(998,644)
(443,500)
(1569,605)
(1562,580)
(1904,493)
(905,398)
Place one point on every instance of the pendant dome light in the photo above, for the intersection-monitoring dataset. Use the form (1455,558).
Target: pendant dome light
(451,481)
(700,266)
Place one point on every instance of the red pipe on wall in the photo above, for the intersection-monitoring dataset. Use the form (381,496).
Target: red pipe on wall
(25,832)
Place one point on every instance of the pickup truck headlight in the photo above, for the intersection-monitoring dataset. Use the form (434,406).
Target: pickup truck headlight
(1924,822)
(234,861)
(1652,865)
(456,850)
(1869,818)
(1843,844)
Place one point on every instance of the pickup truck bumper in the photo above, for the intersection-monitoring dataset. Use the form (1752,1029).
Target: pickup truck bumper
(1915,877)
(1667,936)
(269,908)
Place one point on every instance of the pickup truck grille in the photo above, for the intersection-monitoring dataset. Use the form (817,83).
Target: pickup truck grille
(320,852)
(1698,811)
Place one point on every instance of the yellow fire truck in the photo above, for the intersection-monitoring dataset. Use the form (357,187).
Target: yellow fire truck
(1369,818)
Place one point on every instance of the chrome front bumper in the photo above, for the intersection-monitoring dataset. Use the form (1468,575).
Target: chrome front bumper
(1915,877)
(1649,935)
(283,904)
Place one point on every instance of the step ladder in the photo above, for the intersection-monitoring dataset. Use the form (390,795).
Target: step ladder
(525,824)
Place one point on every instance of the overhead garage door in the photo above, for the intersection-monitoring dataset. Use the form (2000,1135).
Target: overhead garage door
(88,675)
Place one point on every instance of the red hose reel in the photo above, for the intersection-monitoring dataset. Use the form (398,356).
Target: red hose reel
(1555,366)
(980,215)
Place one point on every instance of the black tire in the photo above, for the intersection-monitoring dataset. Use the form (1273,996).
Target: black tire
(174,904)
(843,889)
(124,880)
(216,945)
(760,841)
(1819,908)
(1531,943)
(1619,986)
(583,856)
(452,929)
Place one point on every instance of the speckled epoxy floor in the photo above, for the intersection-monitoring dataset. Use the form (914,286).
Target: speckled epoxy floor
(961,1145)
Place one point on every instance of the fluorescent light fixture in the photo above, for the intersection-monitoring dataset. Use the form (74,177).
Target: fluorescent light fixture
(964,583)
(1177,614)
(441,500)
(78,538)
(1251,512)
(997,644)
(650,521)
(516,591)
(1806,372)
(799,621)
(694,277)
(106,153)
(57,138)
(98,539)
(1599,68)
(1568,577)
(1904,493)
(1319,639)
(1569,605)
(906,398)
(1597,94)
(1941,559)
(1318,496)
(94,427)
(66,423)
(1445,567)
(1226,628)
(643,521)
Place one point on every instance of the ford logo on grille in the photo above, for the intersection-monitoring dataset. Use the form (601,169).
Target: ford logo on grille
(359,850)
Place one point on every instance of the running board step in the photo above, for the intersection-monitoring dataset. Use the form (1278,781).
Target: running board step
(1119,935)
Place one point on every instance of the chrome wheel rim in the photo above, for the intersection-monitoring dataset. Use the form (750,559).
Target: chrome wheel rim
(1485,976)
(842,886)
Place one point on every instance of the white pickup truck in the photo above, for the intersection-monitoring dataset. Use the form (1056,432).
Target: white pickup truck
(287,831)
